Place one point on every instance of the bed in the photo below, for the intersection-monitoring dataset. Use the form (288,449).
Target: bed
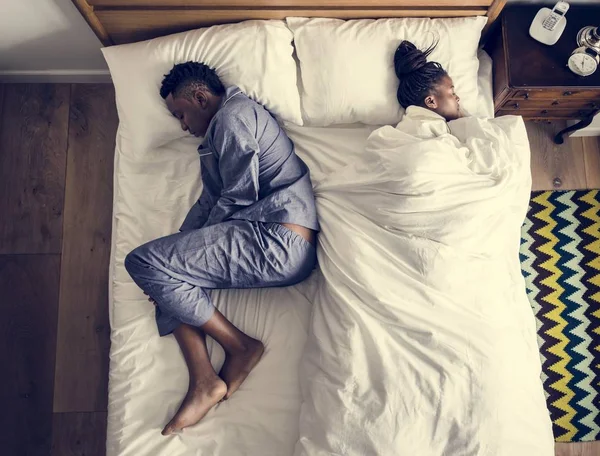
(156,181)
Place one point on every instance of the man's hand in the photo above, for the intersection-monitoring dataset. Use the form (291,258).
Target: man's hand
(150,299)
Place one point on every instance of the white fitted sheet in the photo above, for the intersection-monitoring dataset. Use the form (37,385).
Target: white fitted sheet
(148,377)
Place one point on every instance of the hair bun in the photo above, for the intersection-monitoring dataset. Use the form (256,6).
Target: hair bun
(409,59)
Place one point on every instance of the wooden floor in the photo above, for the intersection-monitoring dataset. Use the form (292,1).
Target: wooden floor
(56,163)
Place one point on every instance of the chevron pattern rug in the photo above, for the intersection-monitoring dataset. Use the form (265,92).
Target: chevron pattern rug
(560,259)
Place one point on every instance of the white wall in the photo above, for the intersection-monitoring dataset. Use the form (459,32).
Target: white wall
(47,39)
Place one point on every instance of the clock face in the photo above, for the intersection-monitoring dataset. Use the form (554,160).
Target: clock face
(582,64)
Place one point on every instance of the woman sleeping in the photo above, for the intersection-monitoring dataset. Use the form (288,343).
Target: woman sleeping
(422,339)
(424,83)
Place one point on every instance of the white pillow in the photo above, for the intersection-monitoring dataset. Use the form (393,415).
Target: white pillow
(347,67)
(255,55)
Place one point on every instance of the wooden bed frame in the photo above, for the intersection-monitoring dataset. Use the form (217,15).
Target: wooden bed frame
(127,21)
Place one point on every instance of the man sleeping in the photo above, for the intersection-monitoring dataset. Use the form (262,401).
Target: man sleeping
(253,226)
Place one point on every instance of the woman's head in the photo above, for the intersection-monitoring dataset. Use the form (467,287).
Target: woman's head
(424,83)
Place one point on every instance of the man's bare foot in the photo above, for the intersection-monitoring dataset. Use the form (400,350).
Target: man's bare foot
(202,395)
(238,365)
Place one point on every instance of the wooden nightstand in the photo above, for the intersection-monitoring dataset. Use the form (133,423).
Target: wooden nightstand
(532,79)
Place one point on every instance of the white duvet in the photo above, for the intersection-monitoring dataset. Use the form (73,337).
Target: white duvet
(422,341)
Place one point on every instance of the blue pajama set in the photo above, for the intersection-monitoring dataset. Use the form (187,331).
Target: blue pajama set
(232,237)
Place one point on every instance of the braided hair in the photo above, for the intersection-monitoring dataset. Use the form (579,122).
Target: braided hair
(418,77)
(185,78)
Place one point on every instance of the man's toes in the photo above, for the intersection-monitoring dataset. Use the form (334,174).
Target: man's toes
(170,428)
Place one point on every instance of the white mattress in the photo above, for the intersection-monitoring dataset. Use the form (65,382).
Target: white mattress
(148,377)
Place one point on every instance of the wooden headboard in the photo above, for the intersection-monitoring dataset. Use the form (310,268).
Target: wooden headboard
(126,21)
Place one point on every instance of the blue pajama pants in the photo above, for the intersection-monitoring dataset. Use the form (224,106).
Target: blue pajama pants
(177,270)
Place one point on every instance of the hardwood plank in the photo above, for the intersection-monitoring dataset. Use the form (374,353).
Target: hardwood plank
(591,149)
(550,161)
(79,434)
(83,330)
(1,105)
(29,304)
(33,144)
(578,449)
(1,114)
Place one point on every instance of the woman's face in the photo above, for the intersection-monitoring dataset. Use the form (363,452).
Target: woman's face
(444,101)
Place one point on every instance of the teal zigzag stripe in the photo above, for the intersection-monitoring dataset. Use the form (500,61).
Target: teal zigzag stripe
(527,258)
(577,312)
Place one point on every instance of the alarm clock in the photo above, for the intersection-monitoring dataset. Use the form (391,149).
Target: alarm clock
(585,59)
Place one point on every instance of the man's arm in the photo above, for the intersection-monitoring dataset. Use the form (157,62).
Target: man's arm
(198,214)
(236,145)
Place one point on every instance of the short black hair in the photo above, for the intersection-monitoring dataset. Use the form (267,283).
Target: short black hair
(185,78)
(418,77)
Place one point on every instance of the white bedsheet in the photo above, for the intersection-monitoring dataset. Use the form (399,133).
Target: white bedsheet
(422,339)
(148,377)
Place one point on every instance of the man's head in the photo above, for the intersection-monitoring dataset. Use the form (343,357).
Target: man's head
(424,83)
(192,92)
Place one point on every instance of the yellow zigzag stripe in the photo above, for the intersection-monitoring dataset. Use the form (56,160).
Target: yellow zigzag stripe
(558,307)
(594,231)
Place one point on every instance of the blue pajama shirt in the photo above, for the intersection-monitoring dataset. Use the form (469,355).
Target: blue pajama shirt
(232,237)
